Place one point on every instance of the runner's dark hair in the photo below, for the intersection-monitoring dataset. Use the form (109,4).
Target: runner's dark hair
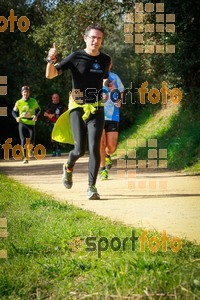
(94,26)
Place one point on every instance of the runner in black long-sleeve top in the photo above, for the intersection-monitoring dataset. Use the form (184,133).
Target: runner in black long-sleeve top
(89,67)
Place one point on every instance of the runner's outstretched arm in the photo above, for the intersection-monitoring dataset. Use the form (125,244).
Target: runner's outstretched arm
(51,71)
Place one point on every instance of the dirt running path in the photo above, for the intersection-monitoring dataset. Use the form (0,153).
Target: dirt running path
(171,203)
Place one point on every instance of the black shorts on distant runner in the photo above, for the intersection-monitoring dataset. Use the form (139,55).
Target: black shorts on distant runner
(111,126)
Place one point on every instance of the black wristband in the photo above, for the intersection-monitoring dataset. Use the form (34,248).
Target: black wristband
(57,66)
(50,61)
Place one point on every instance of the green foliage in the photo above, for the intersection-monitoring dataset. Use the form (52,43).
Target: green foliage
(176,129)
(64,22)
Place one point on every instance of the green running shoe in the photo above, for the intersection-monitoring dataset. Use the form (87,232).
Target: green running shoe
(25,160)
(104,174)
(67,178)
(92,193)
(108,163)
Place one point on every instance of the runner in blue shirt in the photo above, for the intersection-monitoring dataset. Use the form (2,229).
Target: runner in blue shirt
(112,104)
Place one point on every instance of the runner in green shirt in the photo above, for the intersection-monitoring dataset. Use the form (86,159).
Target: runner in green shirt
(26,111)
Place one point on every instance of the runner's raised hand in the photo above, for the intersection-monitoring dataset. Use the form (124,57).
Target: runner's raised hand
(52,52)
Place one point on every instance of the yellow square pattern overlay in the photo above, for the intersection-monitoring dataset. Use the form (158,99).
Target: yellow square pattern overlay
(152,184)
(131,164)
(131,153)
(152,153)
(139,27)
(139,38)
(129,18)
(131,143)
(149,7)
(128,28)
(142,164)
(160,18)
(141,10)
(128,38)
(170,49)
(162,163)
(162,153)
(131,174)
(121,153)
(3,79)
(121,164)
(152,143)
(149,48)
(149,28)
(160,28)
(160,49)
(3,90)
(128,165)
(170,18)
(121,174)
(162,185)
(3,254)
(139,49)
(170,28)
(142,184)
(141,142)
(152,164)
(132,184)
(3,222)
(139,7)
(3,111)
(3,233)
(160,7)
(139,18)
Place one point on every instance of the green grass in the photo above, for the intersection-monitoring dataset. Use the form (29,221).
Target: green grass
(194,169)
(176,129)
(47,256)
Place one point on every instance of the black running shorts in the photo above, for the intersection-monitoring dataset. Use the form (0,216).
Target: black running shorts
(111,126)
